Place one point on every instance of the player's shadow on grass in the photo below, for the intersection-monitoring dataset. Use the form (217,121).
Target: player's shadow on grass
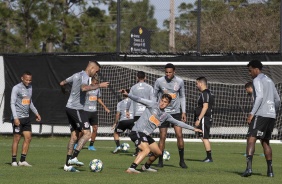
(240,173)
(194,160)
(81,169)
(244,154)
(165,165)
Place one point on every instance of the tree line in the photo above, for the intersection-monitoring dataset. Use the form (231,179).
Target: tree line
(35,26)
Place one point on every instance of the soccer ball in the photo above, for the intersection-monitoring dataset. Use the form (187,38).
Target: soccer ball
(124,147)
(166,155)
(96,165)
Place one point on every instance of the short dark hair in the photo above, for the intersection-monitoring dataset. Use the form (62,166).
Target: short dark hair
(127,90)
(141,75)
(202,79)
(248,85)
(26,73)
(169,65)
(255,64)
(96,62)
(167,96)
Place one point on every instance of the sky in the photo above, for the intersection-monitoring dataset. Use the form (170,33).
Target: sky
(161,8)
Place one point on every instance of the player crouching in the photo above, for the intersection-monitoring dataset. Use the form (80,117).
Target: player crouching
(153,116)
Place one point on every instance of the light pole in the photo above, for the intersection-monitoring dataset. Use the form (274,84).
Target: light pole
(172,28)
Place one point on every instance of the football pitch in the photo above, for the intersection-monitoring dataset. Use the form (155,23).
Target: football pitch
(47,157)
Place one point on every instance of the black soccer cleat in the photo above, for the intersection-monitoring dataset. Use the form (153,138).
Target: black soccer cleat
(247,173)
(208,160)
(270,174)
(183,165)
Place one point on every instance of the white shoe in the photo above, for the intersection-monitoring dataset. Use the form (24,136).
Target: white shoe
(117,149)
(70,169)
(132,170)
(75,161)
(149,169)
(24,163)
(14,164)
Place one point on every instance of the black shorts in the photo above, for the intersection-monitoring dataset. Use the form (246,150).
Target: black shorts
(92,117)
(261,127)
(205,126)
(77,119)
(136,118)
(167,124)
(138,137)
(25,125)
(123,125)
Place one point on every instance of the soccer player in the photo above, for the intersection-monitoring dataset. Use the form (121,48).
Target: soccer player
(153,116)
(173,85)
(249,88)
(20,104)
(122,121)
(76,115)
(203,115)
(261,119)
(92,97)
(142,90)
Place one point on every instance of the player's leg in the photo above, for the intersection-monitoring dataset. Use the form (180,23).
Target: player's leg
(155,153)
(84,125)
(119,129)
(140,140)
(206,126)
(136,149)
(270,122)
(250,150)
(25,146)
(94,124)
(180,145)
(163,134)
(16,140)
(268,156)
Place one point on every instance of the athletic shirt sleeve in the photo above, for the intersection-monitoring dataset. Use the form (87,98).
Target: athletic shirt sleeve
(258,87)
(147,103)
(156,90)
(179,123)
(32,107)
(182,97)
(13,102)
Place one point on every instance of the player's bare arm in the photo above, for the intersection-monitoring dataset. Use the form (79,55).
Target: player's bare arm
(203,112)
(85,87)
(38,117)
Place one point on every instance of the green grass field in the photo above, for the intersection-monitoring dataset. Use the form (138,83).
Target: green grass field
(47,155)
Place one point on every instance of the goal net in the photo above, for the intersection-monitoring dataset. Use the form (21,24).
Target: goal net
(225,80)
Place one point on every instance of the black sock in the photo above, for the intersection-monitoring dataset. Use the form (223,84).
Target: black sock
(269,166)
(14,158)
(23,157)
(249,160)
(209,154)
(133,165)
(181,154)
(147,166)
(91,143)
(161,158)
(67,161)
(117,143)
(75,154)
